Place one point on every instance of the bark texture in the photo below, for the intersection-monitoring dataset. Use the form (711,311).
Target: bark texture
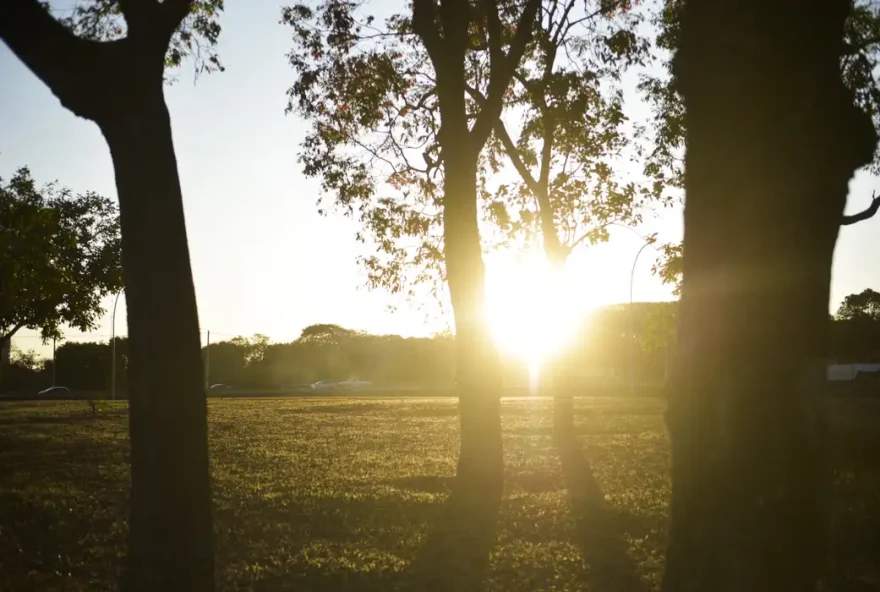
(171,545)
(481,462)
(773,139)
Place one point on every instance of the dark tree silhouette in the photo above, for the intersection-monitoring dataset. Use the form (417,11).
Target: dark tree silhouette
(773,138)
(59,255)
(858,65)
(862,306)
(446,33)
(106,63)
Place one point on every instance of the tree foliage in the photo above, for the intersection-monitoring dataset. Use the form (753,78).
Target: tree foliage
(571,139)
(864,306)
(370,92)
(196,36)
(60,254)
(603,344)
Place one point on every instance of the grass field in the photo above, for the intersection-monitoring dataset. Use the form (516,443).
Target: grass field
(353,494)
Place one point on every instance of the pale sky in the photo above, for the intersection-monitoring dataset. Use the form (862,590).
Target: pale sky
(263,259)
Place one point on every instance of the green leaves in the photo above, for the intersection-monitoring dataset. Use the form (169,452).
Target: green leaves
(59,256)
(669,265)
(573,140)
(195,38)
(367,90)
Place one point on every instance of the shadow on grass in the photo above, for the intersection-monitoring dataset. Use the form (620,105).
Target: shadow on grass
(599,529)
(455,555)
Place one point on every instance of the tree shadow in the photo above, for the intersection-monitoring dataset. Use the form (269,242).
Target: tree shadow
(455,555)
(599,529)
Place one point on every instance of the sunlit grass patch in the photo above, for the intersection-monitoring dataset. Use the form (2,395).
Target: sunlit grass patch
(358,494)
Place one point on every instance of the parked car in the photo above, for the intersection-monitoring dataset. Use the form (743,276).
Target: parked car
(323,385)
(54,390)
(220,387)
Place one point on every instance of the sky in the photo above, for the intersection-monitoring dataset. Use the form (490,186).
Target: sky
(263,259)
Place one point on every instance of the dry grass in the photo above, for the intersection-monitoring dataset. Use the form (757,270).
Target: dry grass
(353,494)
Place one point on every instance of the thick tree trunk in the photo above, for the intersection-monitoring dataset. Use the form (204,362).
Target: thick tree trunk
(772,141)
(170,530)
(481,462)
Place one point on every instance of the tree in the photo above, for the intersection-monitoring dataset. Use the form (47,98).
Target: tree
(862,306)
(856,328)
(24,373)
(59,255)
(858,64)
(106,62)
(571,140)
(396,93)
(773,137)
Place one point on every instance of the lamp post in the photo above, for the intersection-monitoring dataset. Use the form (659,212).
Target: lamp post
(632,277)
(113,344)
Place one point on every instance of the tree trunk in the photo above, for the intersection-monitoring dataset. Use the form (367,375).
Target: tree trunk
(772,141)
(170,530)
(481,462)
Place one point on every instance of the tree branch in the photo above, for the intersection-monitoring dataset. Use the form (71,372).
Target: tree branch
(552,245)
(864,214)
(64,62)
(172,14)
(502,68)
(424,23)
(138,14)
(13,331)
(513,155)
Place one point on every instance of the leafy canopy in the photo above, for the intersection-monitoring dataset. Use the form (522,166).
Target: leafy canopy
(59,255)
(369,89)
(565,131)
(864,306)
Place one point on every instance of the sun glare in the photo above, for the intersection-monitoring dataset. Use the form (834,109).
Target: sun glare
(532,308)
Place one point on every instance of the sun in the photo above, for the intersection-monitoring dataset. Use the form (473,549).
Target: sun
(533,309)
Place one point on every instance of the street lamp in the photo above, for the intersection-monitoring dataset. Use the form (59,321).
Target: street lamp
(632,278)
(113,342)
(646,242)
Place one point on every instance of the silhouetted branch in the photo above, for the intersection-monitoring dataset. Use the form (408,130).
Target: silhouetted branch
(64,62)
(12,331)
(864,214)
(424,23)
(513,154)
(173,13)
(502,68)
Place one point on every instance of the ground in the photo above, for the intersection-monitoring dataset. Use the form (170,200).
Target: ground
(353,494)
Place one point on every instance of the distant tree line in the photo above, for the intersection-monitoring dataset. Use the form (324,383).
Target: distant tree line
(334,353)
(614,340)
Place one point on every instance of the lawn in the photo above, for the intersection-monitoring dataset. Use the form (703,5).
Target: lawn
(354,494)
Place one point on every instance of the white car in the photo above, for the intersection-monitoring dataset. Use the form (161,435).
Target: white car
(55,390)
(323,385)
